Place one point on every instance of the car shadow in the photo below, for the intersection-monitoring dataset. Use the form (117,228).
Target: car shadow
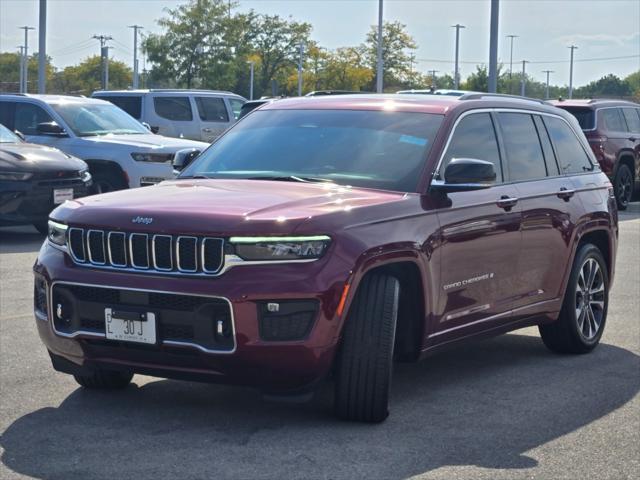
(20,240)
(485,405)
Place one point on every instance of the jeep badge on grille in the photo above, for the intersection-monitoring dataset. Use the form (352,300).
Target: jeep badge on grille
(145,220)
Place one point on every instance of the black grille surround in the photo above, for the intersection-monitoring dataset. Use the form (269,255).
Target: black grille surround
(146,252)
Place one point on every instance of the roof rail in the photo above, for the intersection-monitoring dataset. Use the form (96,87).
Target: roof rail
(480,96)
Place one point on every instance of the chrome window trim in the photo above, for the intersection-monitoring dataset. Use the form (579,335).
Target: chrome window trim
(588,152)
(84,250)
(104,253)
(164,342)
(202,257)
(180,269)
(124,244)
(133,263)
(153,252)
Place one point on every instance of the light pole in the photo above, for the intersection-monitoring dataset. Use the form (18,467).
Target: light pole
(572,48)
(251,80)
(546,91)
(511,37)
(493,47)
(301,53)
(379,60)
(523,81)
(135,80)
(25,66)
(21,47)
(42,47)
(104,58)
(433,77)
(456,75)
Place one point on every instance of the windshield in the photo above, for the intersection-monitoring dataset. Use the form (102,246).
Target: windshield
(90,119)
(7,136)
(374,149)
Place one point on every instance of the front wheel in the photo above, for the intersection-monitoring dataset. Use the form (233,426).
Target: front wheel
(584,310)
(107,181)
(363,376)
(623,186)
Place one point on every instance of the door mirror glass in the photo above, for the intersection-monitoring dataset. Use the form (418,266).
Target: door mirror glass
(464,174)
(184,157)
(51,128)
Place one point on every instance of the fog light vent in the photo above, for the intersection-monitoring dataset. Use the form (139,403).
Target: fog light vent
(293,320)
(40,296)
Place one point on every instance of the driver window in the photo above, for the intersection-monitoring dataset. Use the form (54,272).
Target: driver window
(474,137)
(28,116)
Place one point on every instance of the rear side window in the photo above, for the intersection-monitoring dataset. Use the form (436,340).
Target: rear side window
(572,158)
(547,149)
(475,137)
(612,120)
(236,106)
(632,118)
(28,116)
(586,116)
(173,108)
(212,109)
(130,104)
(523,150)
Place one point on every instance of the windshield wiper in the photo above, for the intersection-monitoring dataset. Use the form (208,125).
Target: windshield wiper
(290,178)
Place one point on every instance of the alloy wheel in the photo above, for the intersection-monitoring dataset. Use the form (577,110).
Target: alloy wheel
(590,299)
(624,186)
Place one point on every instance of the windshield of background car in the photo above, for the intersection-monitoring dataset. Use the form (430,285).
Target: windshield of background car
(372,149)
(90,119)
(7,136)
(585,116)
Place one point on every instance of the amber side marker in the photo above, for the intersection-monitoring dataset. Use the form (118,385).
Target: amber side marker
(343,299)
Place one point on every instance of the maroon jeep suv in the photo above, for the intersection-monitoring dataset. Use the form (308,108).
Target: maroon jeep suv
(327,237)
(612,128)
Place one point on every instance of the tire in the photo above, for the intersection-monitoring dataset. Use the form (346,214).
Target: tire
(107,181)
(102,379)
(42,227)
(363,374)
(623,186)
(579,327)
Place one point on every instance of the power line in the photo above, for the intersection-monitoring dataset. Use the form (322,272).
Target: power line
(599,59)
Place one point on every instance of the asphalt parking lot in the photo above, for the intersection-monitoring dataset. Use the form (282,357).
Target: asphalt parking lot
(504,408)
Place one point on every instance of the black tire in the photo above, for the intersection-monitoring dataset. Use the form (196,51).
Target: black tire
(42,227)
(568,334)
(102,379)
(623,186)
(107,181)
(363,373)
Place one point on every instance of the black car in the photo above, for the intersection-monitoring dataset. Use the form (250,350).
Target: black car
(34,179)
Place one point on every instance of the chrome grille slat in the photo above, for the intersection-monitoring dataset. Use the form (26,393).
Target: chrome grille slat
(146,252)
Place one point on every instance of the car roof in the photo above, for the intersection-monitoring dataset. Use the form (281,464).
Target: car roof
(48,98)
(175,91)
(593,103)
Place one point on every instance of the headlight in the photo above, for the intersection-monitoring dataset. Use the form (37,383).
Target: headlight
(152,157)
(15,176)
(280,248)
(57,233)
(85,176)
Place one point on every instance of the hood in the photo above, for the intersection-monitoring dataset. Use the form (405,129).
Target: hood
(220,206)
(146,141)
(27,157)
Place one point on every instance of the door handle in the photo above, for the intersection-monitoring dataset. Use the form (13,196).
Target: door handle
(507,202)
(207,130)
(565,194)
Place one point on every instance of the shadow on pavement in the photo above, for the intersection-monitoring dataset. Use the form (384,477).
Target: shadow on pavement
(20,240)
(486,405)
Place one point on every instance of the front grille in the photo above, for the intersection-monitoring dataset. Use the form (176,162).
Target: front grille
(146,252)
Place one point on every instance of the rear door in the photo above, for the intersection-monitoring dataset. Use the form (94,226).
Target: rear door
(174,116)
(213,116)
(479,240)
(632,117)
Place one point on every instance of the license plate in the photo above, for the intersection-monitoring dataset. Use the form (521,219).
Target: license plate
(61,195)
(139,327)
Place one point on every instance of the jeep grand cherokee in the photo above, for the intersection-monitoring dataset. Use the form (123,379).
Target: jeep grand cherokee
(326,237)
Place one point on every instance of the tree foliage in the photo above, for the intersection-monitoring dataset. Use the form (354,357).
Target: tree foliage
(85,78)
(10,72)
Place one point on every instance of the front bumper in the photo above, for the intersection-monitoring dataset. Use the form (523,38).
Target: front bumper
(247,358)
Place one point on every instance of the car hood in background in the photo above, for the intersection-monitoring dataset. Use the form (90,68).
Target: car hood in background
(146,141)
(28,157)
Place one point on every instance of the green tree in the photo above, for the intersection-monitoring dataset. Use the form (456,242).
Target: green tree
(633,80)
(10,72)
(85,78)
(607,86)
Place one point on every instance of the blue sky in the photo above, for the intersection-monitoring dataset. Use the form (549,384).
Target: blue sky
(600,28)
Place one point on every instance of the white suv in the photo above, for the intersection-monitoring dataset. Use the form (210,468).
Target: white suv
(195,114)
(119,150)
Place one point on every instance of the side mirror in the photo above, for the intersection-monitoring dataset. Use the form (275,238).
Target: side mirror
(147,126)
(184,157)
(465,174)
(20,135)
(51,128)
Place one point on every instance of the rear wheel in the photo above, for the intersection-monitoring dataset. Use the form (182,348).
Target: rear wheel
(363,376)
(102,379)
(584,310)
(623,186)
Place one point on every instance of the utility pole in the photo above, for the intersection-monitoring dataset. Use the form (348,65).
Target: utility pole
(433,77)
(572,47)
(251,64)
(546,92)
(379,60)
(42,48)
(301,53)
(412,59)
(523,81)
(493,47)
(21,47)
(104,58)
(456,74)
(511,37)
(25,66)
(135,55)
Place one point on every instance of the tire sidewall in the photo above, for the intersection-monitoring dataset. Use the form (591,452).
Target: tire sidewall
(623,202)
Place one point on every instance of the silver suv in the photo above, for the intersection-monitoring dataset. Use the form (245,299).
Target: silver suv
(196,114)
